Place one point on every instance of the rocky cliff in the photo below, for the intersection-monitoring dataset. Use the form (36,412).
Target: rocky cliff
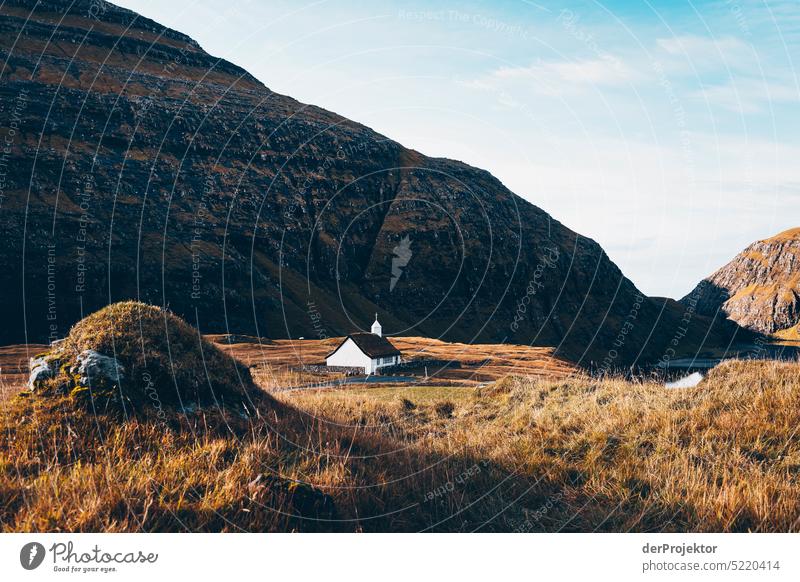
(137,166)
(760,288)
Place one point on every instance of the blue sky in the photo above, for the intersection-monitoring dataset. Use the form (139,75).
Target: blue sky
(667,131)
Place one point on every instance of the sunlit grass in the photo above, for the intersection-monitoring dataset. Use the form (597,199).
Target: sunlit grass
(523,454)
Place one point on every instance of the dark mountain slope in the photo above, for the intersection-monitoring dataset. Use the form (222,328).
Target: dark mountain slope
(142,167)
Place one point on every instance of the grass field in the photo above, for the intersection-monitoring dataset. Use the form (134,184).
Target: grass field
(520,454)
(275,361)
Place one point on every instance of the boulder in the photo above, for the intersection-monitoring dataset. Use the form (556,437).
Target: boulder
(96,369)
(42,368)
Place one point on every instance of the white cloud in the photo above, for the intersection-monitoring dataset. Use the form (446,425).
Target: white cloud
(701,45)
(607,70)
(624,191)
(732,71)
(749,95)
(703,53)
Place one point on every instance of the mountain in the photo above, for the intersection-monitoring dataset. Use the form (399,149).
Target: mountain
(141,167)
(790,334)
(759,289)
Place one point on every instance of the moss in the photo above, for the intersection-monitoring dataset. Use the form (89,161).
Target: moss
(80,392)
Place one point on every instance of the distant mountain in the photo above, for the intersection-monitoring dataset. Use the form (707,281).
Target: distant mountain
(142,167)
(759,289)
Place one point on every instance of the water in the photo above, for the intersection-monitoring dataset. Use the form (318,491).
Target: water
(689,381)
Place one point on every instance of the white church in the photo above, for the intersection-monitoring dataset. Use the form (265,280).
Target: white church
(370,351)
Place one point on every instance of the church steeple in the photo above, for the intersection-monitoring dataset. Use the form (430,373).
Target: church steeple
(376,327)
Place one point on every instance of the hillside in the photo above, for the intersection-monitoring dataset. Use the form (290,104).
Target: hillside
(523,454)
(789,334)
(759,289)
(144,168)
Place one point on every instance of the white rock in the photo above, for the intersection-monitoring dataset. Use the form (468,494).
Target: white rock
(41,369)
(95,367)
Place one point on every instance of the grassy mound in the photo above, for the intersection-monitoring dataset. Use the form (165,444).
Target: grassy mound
(162,363)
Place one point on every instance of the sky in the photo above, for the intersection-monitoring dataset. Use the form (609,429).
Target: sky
(667,131)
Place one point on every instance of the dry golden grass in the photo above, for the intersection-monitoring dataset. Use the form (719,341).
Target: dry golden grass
(275,361)
(787,235)
(276,378)
(791,334)
(522,454)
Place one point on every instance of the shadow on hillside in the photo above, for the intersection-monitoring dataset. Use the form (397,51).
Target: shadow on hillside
(396,486)
(289,471)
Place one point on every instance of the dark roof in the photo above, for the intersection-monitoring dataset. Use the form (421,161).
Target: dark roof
(375,346)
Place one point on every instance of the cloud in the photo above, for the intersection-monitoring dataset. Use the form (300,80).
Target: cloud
(750,95)
(747,89)
(699,45)
(704,52)
(607,70)
(557,77)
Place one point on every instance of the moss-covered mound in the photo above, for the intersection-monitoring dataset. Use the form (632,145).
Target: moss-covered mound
(142,357)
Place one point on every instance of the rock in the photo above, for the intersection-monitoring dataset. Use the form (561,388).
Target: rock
(96,369)
(42,368)
(759,289)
